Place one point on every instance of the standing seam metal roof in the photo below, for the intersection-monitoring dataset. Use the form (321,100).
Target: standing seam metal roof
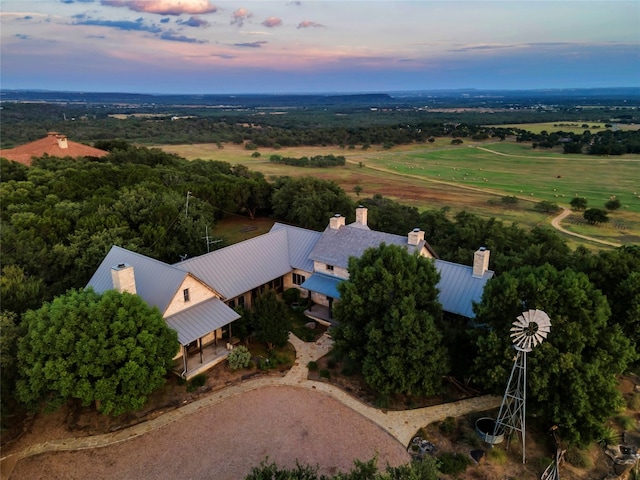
(459,289)
(243,266)
(156,281)
(301,241)
(201,319)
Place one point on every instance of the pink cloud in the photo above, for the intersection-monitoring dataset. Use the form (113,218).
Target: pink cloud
(165,7)
(309,24)
(239,16)
(272,22)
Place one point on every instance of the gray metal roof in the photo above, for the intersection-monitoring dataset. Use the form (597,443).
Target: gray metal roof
(201,319)
(459,288)
(243,266)
(337,245)
(324,284)
(156,281)
(301,242)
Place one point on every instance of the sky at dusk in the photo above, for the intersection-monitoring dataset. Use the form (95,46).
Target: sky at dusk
(203,46)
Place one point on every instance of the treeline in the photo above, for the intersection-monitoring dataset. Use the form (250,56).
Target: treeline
(605,142)
(315,161)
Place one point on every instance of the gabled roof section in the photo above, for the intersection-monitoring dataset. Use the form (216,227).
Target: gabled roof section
(335,246)
(301,242)
(243,266)
(201,319)
(54,145)
(459,288)
(156,281)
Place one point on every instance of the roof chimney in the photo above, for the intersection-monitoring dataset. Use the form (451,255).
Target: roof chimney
(480,262)
(62,141)
(123,278)
(336,222)
(361,215)
(415,236)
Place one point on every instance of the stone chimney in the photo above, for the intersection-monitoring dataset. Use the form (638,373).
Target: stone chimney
(123,278)
(415,236)
(361,215)
(336,222)
(62,141)
(480,262)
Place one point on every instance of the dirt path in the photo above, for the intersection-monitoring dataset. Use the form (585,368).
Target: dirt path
(555,223)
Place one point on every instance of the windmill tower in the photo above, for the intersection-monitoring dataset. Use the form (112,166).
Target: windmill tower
(527,332)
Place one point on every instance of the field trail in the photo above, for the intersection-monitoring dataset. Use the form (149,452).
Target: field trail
(555,223)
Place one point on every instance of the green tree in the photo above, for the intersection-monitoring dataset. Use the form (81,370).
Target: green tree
(547,206)
(509,201)
(613,204)
(386,321)
(271,319)
(11,333)
(572,375)
(18,291)
(112,349)
(308,201)
(578,203)
(595,215)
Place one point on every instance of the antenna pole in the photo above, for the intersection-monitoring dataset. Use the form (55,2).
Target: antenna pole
(186,208)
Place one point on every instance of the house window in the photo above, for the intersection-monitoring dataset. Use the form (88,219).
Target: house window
(185,292)
(330,267)
(232,303)
(241,301)
(298,279)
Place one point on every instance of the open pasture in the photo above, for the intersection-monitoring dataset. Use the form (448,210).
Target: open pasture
(568,126)
(468,177)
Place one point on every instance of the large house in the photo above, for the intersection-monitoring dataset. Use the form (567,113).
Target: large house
(196,296)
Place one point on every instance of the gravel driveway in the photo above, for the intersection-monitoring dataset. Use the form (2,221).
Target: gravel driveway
(226,440)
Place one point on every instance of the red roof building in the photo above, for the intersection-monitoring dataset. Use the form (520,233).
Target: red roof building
(54,145)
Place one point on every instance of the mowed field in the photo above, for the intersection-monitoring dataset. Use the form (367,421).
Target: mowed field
(472,177)
(573,127)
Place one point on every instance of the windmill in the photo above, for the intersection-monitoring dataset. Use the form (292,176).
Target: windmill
(527,332)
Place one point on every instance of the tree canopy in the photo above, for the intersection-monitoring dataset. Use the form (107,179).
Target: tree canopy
(571,375)
(386,321)
(271,320)
(111,349)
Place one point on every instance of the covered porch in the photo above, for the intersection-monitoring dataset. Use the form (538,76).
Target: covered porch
(204,333)
(325,289)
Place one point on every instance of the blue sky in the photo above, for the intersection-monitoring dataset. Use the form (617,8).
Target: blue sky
(203,46)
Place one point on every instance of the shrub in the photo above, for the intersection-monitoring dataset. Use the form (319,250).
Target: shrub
(608,437)
(239,357)
(312,366)
(196,382)
(291,295)
(578,458)
(625,422)
(448,426)
(332,363)
(324,373)
(453,463)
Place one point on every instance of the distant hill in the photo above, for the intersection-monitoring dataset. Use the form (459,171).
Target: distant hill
(600,96)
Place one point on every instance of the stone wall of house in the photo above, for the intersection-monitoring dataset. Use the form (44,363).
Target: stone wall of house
(336,272)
